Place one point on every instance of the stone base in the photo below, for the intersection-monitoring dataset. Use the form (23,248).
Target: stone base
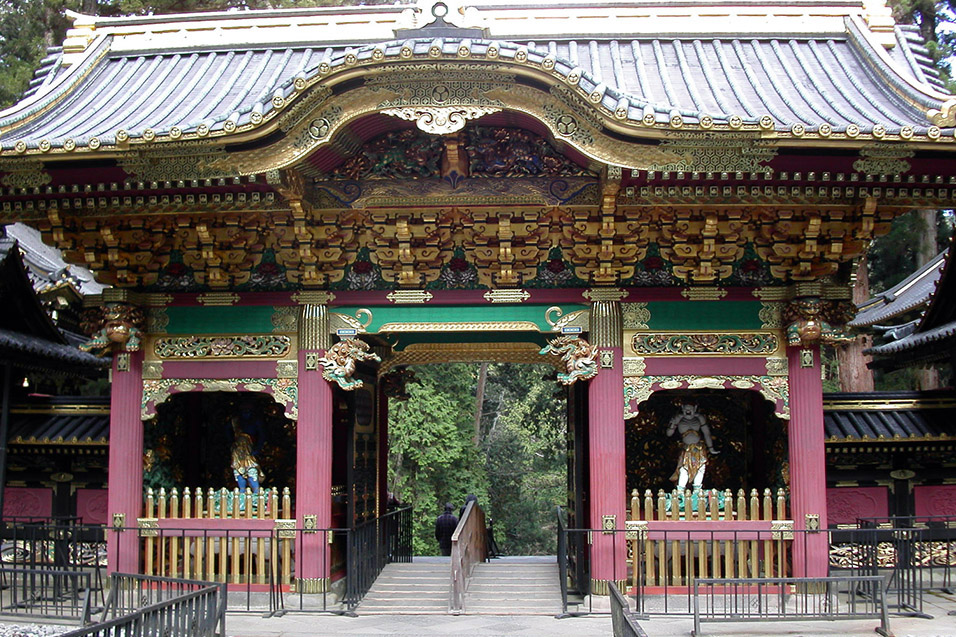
(311,585)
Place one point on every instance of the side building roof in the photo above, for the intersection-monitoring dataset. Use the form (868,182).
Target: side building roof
(934,337)
(911,293)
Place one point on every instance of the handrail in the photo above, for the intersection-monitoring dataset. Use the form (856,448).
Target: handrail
(562,558)
(469,545)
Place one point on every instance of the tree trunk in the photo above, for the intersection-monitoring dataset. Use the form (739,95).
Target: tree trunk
(927,377)
(480,400)
(855,376)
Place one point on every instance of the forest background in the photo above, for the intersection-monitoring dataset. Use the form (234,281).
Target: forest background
(499,431)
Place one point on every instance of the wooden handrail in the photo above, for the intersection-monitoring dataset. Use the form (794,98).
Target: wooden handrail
(469,545)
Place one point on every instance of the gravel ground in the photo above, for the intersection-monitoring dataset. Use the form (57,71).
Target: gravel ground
(33,630)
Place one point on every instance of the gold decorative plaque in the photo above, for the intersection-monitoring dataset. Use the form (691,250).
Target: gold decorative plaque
(409,296)
(507,296)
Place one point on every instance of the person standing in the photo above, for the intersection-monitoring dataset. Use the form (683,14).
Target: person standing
(445,527)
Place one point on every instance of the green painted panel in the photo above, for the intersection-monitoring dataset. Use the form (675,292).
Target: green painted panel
(704,315)
(436,314)
(220,320)
(416,338)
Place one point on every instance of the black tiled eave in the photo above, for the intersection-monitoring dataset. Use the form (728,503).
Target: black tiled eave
(66,429)
(872,424)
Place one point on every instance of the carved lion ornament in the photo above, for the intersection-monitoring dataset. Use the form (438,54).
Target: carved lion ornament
(579,357)
(339,362)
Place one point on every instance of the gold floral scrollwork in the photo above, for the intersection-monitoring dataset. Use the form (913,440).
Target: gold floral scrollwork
(777,366)
(285,318)
(634,366)
(579,358)
(771,315)
(287,369)
(703,344)
(157,320)
(440,120)
(114,325)
(153,370)
(577,321)
(359,322)
(24,174)
(883,159)
(636,316)
(340,361)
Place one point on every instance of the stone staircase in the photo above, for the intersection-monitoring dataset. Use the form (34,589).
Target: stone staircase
(419,588)
(515,586)
(504,586)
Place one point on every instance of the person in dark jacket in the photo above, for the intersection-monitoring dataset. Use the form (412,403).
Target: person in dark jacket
(444,528)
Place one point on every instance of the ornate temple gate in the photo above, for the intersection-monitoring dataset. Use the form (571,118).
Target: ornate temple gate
(279,207)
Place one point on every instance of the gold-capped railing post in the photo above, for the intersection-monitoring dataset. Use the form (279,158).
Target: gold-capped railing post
(187,541)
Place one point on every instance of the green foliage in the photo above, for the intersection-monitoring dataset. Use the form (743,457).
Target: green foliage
(432,459)
(894,256)
(518,469)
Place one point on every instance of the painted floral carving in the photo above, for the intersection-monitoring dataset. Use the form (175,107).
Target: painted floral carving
(397,154)
(339,362)
(579,358)
(271,345)
(683,344)
(511,152)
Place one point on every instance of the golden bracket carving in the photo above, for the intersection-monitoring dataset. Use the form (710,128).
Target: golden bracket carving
(781,529)
(148,527)
(635,530)
(285,529)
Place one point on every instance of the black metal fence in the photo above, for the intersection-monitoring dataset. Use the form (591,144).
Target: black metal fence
(790,599)
(140,606)
(662,566)
(47,594)
(45,542)
(372,545)
(914,553)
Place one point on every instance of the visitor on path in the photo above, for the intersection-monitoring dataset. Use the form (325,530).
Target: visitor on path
(471,498)
(444,528)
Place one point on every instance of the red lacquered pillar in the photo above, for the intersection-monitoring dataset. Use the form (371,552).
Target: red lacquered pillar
(608,479)
(125,499)
(313,472)
(808,485)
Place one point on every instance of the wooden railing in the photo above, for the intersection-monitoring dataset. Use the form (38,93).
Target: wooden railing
(677,538)
(215,535)
(469,545)
(224,504)
(710,504)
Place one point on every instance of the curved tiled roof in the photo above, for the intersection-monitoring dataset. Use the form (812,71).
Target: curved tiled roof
(881,416)
(143,80)
(909,294)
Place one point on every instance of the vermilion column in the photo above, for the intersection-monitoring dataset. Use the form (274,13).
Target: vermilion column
(125,499)
(808,485)
(608,492)
(313,473)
